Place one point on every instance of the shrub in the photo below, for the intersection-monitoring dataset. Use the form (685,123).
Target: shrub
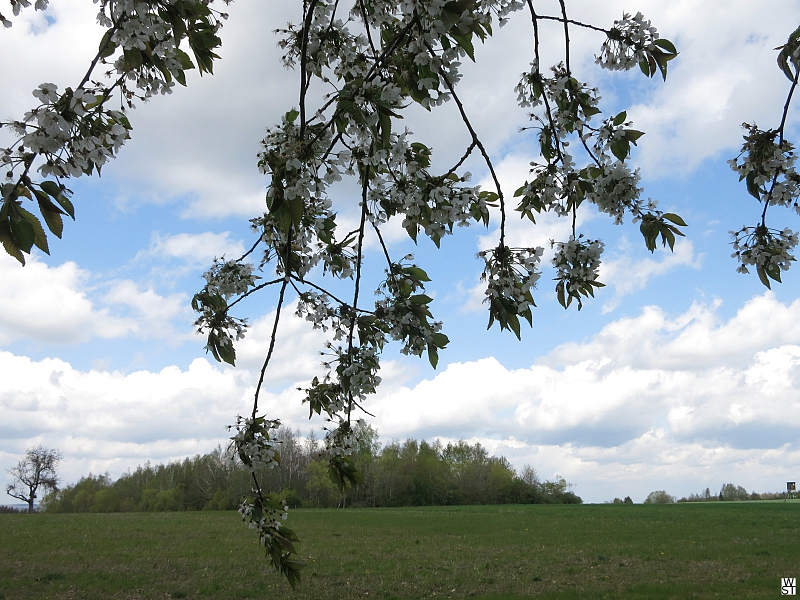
(659,497)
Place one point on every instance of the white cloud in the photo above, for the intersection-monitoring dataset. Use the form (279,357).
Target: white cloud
(196,249)
(58,305)
(719,81)
(154,315)
(647,401)
(628,275)
(50,304)
(198,146)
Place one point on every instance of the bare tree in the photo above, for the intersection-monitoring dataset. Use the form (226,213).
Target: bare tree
(37,469)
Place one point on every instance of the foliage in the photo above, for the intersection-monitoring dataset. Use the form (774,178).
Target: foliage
(731,492)
(659,497)
(766,165)
(371,63)
(619,501)
(409,474)
(36,470)
(368,62)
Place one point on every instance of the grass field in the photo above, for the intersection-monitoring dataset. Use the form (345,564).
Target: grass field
(487,552)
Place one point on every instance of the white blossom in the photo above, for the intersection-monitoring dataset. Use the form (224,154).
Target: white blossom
(627,43)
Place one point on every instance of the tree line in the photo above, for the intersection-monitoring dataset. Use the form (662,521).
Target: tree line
(729,492)
(411,473)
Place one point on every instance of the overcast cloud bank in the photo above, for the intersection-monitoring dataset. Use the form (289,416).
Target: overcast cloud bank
(649,402)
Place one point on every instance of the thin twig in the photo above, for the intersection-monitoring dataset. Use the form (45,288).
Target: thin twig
(366,26)
(780,143)
(571,22)
(535,20)
(476,140)
(463,158)
(383,244)
(569,75)
(260,286)
(359,260)
(566,35)
(327,293)
(271,345)
(304,80)
(249,252)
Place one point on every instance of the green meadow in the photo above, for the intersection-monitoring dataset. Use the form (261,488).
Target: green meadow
(510,552)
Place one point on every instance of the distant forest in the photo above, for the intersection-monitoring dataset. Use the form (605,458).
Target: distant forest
(411,473)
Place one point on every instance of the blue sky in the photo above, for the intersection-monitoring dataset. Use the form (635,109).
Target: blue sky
(681,374)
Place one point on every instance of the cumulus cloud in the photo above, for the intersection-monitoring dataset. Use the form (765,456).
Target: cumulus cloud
(106,420)
(627,275)
(687,395)
(650,400)
(196,249)
(50,304)
(59,305)
(198,146)
(718,82)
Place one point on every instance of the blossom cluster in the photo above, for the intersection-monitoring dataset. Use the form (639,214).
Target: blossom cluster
(577,260)
(768,167)
(768,250)
(404,314)
(432,204)
(510,275)
(72,131)
(627,43)
(341,440)
(221,328)
(267,524)
(253,444)
(577,263)
(316,309)
(357,369)
(616,190)
(229,278)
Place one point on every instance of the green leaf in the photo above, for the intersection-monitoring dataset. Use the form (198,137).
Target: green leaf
(762,275)
(53,220)
(133,58)
(620,118)
(465,42)
(620,147)
(386,128)
(417,273)
(183,58)
(51,188)
(440,340)
(632,135)
(66,204)
(420,299)
(774,271)
(433,355)
(296,209)
(666,45)
(292,115)
(23,234)
(107,47)
(7,239)
(513,323)
(675,219)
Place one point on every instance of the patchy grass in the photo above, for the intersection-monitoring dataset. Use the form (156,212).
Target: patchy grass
(485,552)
